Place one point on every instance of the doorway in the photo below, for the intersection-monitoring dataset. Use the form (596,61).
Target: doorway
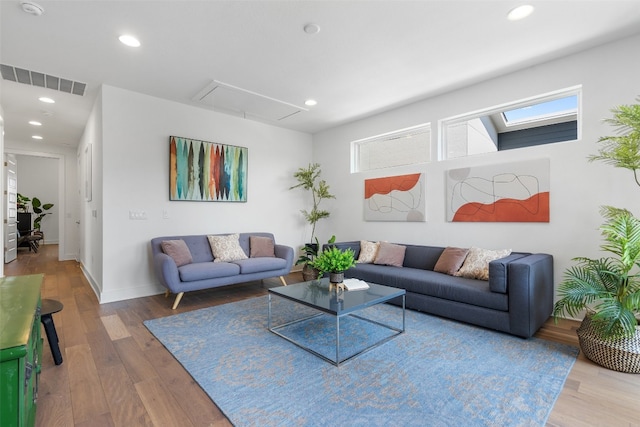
(42,175)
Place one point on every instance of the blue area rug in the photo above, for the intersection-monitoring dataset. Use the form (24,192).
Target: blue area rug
(438,373)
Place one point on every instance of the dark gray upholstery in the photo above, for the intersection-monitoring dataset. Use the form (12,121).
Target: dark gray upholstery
(517,299)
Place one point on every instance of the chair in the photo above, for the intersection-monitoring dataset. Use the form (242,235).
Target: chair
(30,239)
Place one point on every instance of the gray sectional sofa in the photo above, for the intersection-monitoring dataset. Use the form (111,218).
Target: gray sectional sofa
(202,271)
(517,298)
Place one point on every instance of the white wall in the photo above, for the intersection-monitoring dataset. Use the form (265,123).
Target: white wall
(38,177)
(67,209)
(132,148)
(609,77)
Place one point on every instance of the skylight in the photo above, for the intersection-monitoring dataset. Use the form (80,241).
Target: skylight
(546,110)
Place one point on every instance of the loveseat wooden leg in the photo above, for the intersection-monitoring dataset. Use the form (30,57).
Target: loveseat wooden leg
(166,294)
(282,280)
(177,301)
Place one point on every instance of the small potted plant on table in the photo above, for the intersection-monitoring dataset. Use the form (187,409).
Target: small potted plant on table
(335,262)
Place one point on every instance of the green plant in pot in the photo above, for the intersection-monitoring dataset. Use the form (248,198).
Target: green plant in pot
(334,261)
(309,179)
(39,209)
(309,254)
(608,289)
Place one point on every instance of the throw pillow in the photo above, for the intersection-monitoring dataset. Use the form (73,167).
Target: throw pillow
(178,250)
(390,254)
(226,248)
(476,265)
(451,260)
(261,247)
(368,252)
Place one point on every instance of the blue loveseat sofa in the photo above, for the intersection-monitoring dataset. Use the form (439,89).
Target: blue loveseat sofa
(202,271)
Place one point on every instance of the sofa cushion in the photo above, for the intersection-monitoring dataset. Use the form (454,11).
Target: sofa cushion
(451,260)
(476,265)
(425,282)
(226,248)
(207,270)
(260,264)
(390,254)
(261,247)
(368,251)
(423,257)
(178,250)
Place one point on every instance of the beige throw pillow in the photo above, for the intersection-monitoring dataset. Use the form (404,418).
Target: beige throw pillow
(226,248)
(476,265)
(451,260)
(261,247)
(178,250)
(390,254)
(368,251)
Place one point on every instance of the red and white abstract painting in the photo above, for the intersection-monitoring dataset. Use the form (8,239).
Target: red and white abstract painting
(395,198)
(511,192)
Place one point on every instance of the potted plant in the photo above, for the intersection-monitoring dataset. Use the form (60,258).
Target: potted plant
(309,179)
(23,203)
(608,289)
(309,254)
(334,261)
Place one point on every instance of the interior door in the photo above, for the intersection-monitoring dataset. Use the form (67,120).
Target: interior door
(10,199)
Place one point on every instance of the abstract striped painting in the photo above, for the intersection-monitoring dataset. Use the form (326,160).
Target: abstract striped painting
(206,171)
(395,198)
(511,192)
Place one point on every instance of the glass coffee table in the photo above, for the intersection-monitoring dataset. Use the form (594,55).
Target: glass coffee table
(334,306)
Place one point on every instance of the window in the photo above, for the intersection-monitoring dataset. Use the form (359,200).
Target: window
(400,148)
(541,120)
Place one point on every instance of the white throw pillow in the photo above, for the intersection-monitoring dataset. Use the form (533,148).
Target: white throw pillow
(476,265)
(368,252)
(226,248)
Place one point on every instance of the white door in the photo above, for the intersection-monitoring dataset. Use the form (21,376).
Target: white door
(10,199)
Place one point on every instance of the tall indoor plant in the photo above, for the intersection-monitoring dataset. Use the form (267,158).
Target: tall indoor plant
(309,179)
(608,289)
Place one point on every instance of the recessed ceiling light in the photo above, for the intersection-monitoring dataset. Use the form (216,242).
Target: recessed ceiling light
(46,100)
(36,137)
(520,12)
(34,123)
(310,102)
(312,28)
(129,40)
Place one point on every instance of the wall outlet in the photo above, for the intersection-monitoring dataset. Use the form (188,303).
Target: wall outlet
(138,215)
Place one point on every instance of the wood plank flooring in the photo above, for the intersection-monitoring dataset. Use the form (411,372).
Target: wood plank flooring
(115,373)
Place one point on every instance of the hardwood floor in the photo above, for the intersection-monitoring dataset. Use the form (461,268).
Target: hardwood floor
(115,373)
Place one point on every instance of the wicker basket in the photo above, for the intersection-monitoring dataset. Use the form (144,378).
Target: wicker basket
(620,354)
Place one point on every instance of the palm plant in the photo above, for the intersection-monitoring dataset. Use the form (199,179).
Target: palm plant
(622,150)
(609,286)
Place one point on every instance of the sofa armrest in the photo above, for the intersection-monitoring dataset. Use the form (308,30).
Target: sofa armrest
(286,253)
(530,292)
(167,271)
(499,272)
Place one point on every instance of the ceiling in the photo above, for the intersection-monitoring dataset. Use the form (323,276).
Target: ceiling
(368,57)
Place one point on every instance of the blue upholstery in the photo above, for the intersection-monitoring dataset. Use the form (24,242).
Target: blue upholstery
(204,273)
(517,298)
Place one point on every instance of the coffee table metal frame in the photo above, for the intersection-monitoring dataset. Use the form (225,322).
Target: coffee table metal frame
(338,314)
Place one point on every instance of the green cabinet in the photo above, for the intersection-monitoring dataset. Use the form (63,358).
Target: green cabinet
(20,349)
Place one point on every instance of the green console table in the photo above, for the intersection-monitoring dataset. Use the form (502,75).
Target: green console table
(20,349)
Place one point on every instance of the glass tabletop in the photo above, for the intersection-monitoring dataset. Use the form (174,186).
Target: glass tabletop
(319,295)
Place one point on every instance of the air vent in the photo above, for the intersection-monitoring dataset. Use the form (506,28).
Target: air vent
(34,78)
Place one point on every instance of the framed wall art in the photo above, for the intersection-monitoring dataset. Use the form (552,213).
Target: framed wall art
(395,198)
(207,171)
(510,192)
